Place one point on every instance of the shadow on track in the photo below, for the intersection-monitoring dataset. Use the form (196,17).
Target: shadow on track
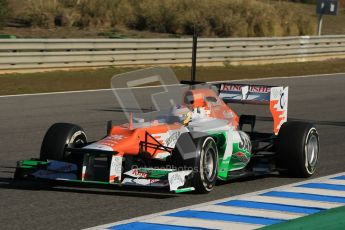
(9,183)
(64,186)
(138,192)
(246,179)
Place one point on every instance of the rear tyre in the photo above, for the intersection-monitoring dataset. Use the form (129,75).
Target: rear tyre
(58,137)
(298,149)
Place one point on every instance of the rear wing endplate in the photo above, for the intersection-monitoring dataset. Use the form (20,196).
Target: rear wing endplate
(274,96)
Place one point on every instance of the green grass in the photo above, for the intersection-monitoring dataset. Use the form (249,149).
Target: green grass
(100,78)
(332,219)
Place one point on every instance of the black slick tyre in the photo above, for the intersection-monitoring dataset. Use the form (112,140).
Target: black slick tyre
(58,137)
(206,165)
(298,149)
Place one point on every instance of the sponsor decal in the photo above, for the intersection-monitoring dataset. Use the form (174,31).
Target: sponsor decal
(177,179)
(106,144)
(251,88)
(282,100)
(135,173)
(235,92)
(169,138)
(245,142)
(145,182)
(170,141)
(241,157)
(111,140)
(115,168)
(115,137)
(245,91)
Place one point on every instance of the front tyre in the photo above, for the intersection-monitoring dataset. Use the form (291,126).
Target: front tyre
(58,137)
(298,149)
(206,168)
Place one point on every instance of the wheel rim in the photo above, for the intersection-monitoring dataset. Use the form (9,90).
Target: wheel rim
(79,141)
(312,152)
(209,164)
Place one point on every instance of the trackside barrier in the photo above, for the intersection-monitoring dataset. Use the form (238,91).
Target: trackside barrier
(16,54)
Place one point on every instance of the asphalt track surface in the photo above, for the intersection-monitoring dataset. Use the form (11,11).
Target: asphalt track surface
(24,120)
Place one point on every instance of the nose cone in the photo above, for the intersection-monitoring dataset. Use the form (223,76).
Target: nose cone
(121,140)
(115,142)
(126,141)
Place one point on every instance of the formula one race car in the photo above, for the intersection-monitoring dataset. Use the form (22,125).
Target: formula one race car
(192,145)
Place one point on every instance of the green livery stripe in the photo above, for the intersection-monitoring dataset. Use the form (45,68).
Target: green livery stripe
(184,190)
(238,160)
(33,162)
(223,164)
(30,164)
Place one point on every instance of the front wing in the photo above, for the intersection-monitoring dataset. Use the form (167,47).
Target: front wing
(34,169)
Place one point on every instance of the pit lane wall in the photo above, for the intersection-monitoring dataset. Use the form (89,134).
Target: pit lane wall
(19,54)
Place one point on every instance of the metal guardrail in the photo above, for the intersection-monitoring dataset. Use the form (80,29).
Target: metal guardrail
(16,54)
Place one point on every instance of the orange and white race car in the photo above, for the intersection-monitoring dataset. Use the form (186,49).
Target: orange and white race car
(187,147)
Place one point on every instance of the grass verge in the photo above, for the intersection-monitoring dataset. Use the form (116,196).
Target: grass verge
(100,78)
(222,18)
(329,219)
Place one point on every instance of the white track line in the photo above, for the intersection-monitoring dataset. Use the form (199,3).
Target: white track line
(243,196)
(334,181)
(316,191)
(53,93)
(200,223)
(238,80)
(249,212)
(293,202)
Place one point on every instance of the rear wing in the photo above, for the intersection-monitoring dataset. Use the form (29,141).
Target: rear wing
(274,96)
